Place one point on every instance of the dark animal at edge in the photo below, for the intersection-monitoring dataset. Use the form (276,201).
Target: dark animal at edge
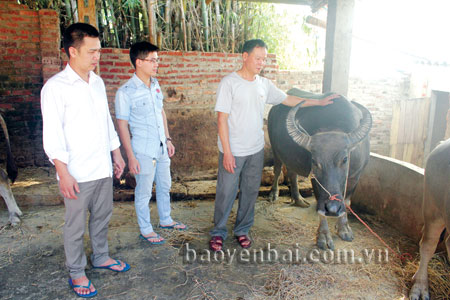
(436,215)
(11,173)
(332,143)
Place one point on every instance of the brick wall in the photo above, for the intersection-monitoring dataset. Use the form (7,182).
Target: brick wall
(379,97)
(30,53)
(21,53)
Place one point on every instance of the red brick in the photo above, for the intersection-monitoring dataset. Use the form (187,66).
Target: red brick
(122,64)
(116,71)
(6,105)
(28,13)
(174,53)
(106,63)
(179,66)
(48,12)
(21,19)
(106,50)
(21,92)
(8,44)
(20,37)
(103,70)
(7,30)
(106,76)
(123,77)
(12,57)
(192,53)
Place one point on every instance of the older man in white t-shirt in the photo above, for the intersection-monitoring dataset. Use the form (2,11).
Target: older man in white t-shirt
(241,98)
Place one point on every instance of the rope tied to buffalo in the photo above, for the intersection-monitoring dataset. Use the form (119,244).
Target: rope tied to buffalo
(401,256)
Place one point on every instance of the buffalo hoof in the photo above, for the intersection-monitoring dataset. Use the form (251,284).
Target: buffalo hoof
(301,203)
(345,233)
(14,219)
(273,196)
(324,241)
(419,291)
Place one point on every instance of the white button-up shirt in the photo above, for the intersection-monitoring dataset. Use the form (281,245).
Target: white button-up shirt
(77,125)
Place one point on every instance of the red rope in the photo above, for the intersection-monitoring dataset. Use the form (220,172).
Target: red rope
(402,257)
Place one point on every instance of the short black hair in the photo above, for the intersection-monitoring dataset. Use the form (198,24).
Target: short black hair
(252,44)
(75,33)
(140,50)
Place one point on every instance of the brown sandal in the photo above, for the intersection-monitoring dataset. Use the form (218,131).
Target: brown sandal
(244,241)
(215,244)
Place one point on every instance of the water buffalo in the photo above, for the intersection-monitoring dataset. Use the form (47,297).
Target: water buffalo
(332,143)
(11,172)
(436,214)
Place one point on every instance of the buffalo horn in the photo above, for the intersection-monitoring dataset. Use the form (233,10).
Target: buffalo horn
(297,132)
(362,131)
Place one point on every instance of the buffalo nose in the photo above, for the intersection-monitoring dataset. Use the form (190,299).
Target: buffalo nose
(332,209)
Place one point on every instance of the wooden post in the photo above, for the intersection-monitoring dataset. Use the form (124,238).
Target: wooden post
(338,46)
(87,12)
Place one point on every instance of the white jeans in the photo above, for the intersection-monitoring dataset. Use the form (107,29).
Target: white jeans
(160,173)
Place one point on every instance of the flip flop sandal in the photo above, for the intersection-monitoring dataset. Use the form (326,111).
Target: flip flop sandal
(110,267)
(74,286)
(173,226)
(216,243)
(147,239)
(244,241)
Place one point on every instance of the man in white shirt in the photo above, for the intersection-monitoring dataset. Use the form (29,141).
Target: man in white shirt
(79,137)
(241,98)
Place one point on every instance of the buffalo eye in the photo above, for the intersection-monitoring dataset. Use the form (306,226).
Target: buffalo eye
(316,164)
(345,160)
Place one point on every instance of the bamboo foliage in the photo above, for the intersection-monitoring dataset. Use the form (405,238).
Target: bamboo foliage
(187,25)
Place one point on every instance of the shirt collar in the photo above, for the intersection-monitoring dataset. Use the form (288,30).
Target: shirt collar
(139,83)
(73,76)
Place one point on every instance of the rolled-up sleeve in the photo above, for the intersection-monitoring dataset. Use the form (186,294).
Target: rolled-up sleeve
(52,108)
(122,106)
(114,141)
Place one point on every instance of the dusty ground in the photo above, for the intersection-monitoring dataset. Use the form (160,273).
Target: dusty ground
(32,257)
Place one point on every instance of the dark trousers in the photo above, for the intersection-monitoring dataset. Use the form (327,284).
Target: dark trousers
(246,179)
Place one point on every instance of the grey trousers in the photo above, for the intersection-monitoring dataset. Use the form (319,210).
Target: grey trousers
(97,197)
(246,178)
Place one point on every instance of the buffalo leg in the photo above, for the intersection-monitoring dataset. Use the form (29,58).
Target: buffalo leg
(273,196)
(13,209)
(428,243)
(344,230)
(293,189)
(324,239)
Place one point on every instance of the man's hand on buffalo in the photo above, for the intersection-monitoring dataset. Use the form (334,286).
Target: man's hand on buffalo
(328,100)
(305,102)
